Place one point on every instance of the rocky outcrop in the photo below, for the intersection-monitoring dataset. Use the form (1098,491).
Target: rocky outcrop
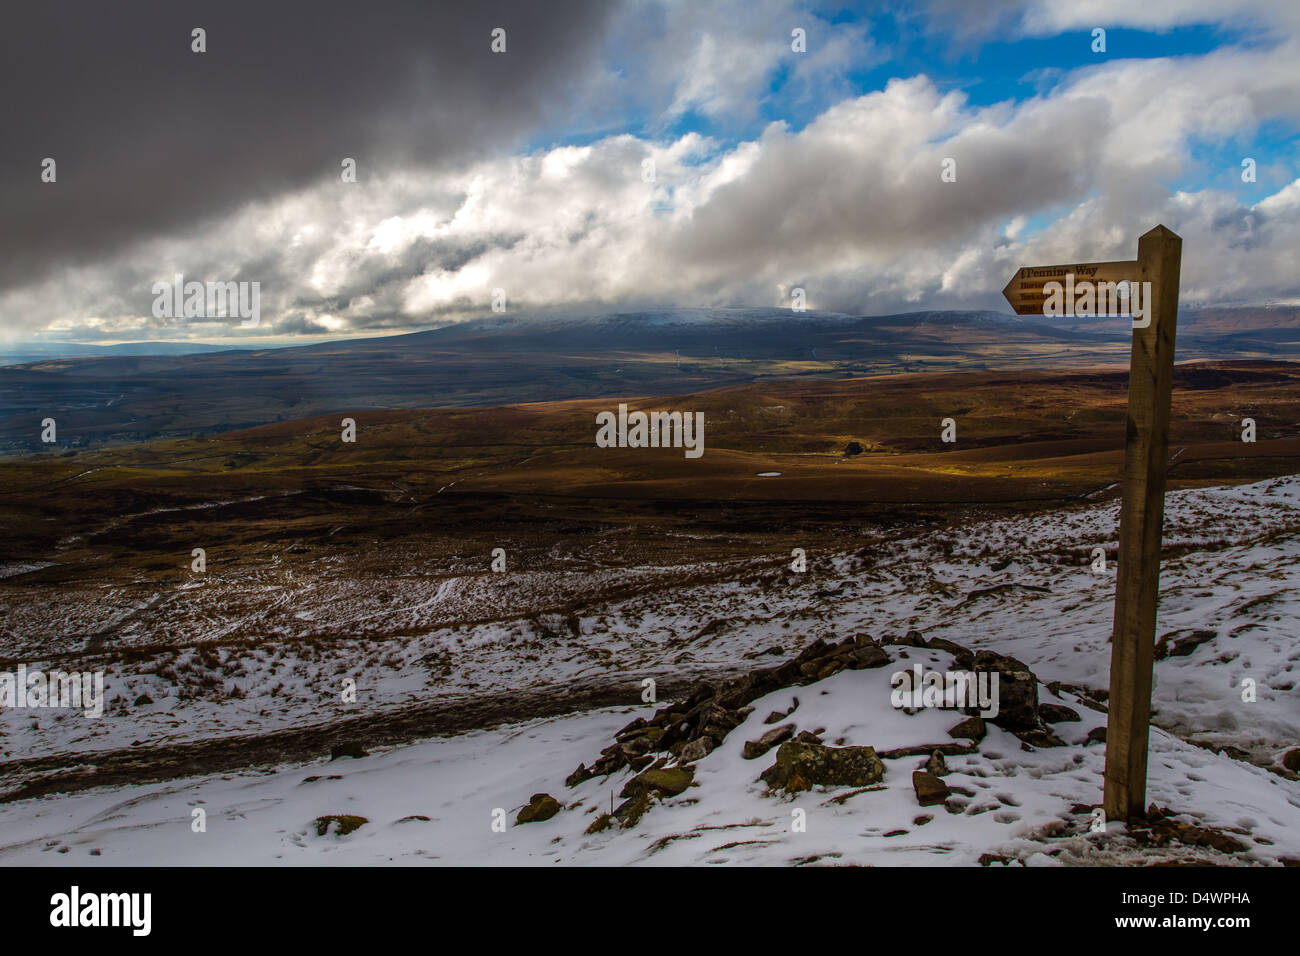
(801,766)
(689,730)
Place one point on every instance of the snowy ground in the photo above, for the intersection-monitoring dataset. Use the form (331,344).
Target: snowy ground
(1021,807)
(1233,571)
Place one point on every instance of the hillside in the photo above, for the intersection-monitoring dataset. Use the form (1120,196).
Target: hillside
(510,359)
(517,699)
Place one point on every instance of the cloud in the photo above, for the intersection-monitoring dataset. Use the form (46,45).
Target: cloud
(849,206)
(151,138)
(1050,17)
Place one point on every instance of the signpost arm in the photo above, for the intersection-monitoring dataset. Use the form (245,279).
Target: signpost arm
(1141,520)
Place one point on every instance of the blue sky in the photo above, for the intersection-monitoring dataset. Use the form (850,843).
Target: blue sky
(994,71)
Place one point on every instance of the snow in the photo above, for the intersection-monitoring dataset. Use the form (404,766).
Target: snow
(1232,568)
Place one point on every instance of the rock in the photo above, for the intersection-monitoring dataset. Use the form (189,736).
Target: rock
(668,781)
(697,749)
(917,750)
(802,765)
(541,806)
(349,748)
(1097,735)
(778,735)
(636,726)
(808,737)
(912,638)
(1039,737)
(1058,713)
(930,790)
(1291,760)
(783,675)
(640,763)
(867,657)
(630,811)
(717,721)
(940,644)
(636,746)
(741,690)
(773,717)
(1162,830)
(1174,645)
(936,765)
(343,823)
(143,700)
(1017,689)
(578,776)
(972,728)
(816,649)
(830,668)
(699,694)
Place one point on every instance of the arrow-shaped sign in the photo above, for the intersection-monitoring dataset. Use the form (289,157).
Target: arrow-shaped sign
(1025,290)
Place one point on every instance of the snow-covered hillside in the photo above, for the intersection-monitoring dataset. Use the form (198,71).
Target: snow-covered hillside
(1229,616)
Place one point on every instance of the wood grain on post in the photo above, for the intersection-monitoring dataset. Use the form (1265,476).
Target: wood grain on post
(1146,448)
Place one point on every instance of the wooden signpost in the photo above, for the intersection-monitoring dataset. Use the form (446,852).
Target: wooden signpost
(1146,450)
(1025,290)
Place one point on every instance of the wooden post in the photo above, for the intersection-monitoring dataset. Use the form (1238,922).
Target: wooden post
(1150,387)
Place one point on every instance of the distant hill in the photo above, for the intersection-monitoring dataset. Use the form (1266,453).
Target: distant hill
(509,359)
(24,352)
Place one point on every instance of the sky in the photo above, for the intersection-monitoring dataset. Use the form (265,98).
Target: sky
(626,154)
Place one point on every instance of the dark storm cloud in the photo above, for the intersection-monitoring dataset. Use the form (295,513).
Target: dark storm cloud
(151,138)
